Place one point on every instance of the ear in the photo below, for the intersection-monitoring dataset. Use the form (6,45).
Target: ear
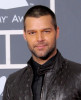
(24,35)
(57,32)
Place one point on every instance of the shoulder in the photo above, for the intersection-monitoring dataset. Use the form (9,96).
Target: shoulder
(18,75)
(73,70)
(16,80)
(68,63)
(74,73)
(73,65)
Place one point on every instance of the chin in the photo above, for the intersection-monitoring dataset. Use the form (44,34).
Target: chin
(44,57)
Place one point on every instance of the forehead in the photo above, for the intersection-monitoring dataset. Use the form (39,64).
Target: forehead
(40,22)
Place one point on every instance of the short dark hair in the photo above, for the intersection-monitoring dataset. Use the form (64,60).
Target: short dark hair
(38,11)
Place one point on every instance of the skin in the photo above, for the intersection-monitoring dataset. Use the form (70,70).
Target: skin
(41,37)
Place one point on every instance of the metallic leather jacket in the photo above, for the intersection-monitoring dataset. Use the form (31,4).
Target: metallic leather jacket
(61,82)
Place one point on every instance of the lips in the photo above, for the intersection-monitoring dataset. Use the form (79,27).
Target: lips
(40,46)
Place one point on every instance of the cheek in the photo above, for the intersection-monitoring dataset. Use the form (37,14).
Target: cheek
(29,45)
(51,40)
(30,39)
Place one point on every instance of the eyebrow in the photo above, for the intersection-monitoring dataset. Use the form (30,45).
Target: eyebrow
(41,29)
(30,30)
(47,29)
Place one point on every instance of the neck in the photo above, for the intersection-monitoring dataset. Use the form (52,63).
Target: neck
(42,61)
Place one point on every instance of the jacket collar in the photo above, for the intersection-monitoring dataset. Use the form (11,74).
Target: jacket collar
(42,69)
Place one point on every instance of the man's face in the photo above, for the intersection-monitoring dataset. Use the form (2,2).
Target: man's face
(41,36)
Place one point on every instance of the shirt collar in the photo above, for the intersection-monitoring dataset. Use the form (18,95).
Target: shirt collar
(42,69)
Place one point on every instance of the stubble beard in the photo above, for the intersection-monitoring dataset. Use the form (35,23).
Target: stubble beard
(46,55)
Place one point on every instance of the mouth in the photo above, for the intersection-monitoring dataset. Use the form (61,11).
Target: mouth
(40,47)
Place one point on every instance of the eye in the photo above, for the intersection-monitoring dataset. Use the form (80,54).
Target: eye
(31,33)
(47,31)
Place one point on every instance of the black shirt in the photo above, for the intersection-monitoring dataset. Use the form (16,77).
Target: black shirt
(39,72)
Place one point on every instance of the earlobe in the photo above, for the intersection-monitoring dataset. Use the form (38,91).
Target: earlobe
(57,32)
(24,35)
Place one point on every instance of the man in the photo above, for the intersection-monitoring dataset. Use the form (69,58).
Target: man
(48,76)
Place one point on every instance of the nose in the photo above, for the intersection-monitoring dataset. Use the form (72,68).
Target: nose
(40,37)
